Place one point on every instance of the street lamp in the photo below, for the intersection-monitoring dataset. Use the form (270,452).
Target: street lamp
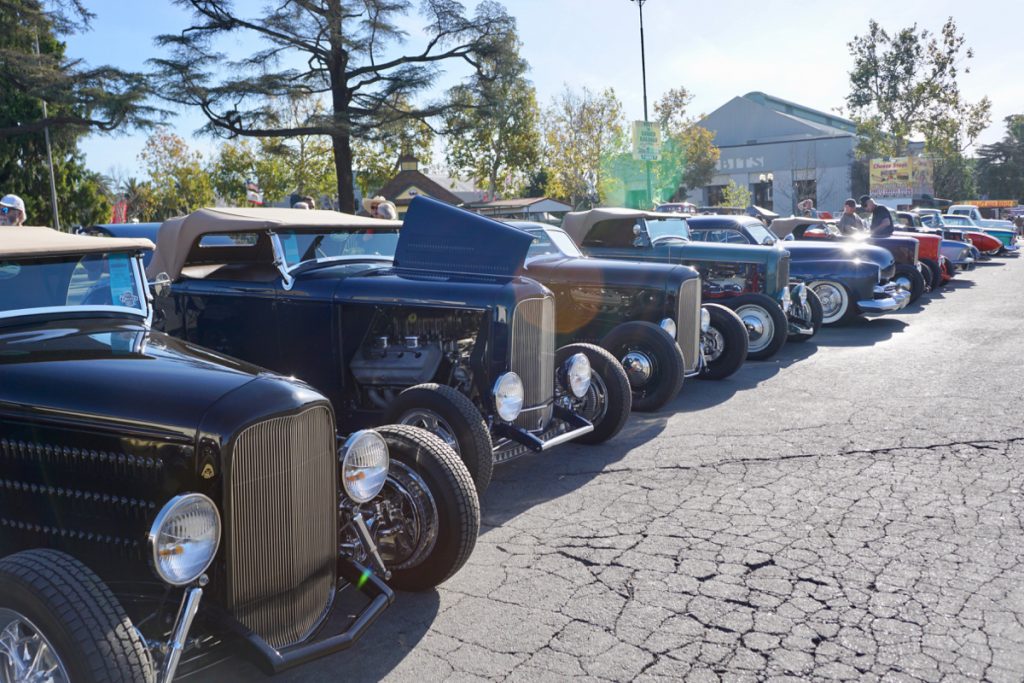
(643,72)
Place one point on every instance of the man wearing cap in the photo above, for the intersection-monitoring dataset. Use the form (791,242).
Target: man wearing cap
(850,223)
(370,205)
(12,210)
(881,219)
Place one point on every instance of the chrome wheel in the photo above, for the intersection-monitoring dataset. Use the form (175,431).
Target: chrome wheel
(712,343)
(405,521)
(759,324)
(433,423)
(834,300)
(594,404)
(26,656)
(639,367)
(904,282)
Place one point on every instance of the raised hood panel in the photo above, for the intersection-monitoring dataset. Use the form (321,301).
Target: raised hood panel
(440,238)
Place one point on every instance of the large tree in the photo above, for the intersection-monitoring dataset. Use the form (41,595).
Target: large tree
(907,84)
(375,158)
(1001,164)
(347,51)
(584,132)
(78,99)
(493,131)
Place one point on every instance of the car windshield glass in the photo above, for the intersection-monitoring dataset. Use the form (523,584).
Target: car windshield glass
(91,282)
(553,242)
(760,233)
(956,220)
(306,245)
(667,227)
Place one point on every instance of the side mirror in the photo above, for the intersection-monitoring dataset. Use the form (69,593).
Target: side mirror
(161,285)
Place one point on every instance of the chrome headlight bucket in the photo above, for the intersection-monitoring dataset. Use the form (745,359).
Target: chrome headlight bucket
(184,538)
(508,396)
(577,374)
(364,465)
(669,325)
(801,293)
(785,299)
(705,319)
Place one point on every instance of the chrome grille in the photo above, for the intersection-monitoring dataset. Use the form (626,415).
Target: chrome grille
(688,323)
(533,359)
(282,525)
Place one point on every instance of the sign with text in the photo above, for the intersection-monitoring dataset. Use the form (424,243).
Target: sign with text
(646,141)
(902,177)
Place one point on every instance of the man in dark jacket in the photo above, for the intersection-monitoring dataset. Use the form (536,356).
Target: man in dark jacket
(881,220)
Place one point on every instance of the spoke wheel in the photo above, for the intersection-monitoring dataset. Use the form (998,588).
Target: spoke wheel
(433,423)
(713,344)
(26,656)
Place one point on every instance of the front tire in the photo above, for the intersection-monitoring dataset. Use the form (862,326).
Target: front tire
(609,400)
(765,322)
(56,613)
(433,488)
(724,344)
(933,276)
(652,360)
(448,414)
(837,306)
(817,315)
(910,278)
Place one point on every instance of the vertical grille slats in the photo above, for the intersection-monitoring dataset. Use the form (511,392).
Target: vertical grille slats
(533,359)
(689,322)
(282,525)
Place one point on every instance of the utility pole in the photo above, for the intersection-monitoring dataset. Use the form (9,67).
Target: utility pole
(643,72)
(49,152)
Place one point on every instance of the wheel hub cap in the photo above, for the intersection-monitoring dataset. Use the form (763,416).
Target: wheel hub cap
(638,367)
(433,423)
(712,343)
(25,653)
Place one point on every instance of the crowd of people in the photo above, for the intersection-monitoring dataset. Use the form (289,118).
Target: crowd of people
(881,224)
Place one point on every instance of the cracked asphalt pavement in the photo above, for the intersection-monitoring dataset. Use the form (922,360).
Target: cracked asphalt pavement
(850,510)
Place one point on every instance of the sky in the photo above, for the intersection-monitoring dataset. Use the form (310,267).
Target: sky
(793,49)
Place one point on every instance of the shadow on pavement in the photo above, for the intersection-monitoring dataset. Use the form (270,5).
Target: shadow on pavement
(863,331)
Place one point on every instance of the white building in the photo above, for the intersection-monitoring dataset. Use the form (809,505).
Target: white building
(782,151)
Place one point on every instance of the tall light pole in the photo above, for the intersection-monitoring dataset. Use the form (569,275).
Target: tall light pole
(643,72)
(49,152)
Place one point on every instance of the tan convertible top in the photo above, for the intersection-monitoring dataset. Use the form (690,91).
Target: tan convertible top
(177,235)
(28,240)
(579,223)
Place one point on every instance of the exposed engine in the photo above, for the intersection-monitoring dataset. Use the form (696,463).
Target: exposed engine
(403,348)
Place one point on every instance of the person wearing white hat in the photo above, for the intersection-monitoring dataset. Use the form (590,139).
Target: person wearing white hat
(12,210)
(370,205)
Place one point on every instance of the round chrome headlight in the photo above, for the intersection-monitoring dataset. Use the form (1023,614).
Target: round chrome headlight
(705,320)
(184,538)
(509,396)
(577,373)
(364,465)
(669,325)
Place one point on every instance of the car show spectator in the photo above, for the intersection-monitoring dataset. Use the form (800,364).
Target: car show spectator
(370,205)
(12,210)
(850,223)
(387,210)
(806,208)
(300,205)
(881,219)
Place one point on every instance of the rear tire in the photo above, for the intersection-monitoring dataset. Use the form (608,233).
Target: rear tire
(453,497)
(817,315)
(934,276)
(765,322)
(652,360)
(80,623)
(911,279)
(724,344)
(609,400)
(448,414)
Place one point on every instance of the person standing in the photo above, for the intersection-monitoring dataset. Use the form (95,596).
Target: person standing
(850,223)
(12,210)
(881,220)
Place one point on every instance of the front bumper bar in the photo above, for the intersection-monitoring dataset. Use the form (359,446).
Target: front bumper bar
(888,298)
(567,426)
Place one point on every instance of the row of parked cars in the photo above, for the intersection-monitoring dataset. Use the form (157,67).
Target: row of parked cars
(259,431)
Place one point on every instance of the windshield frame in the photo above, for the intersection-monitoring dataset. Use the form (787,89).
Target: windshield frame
(558,238)
(144,312)
(288,271)
(669,217)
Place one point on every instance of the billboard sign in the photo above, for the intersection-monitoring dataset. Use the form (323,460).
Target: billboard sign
(900,177)
(646,141)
